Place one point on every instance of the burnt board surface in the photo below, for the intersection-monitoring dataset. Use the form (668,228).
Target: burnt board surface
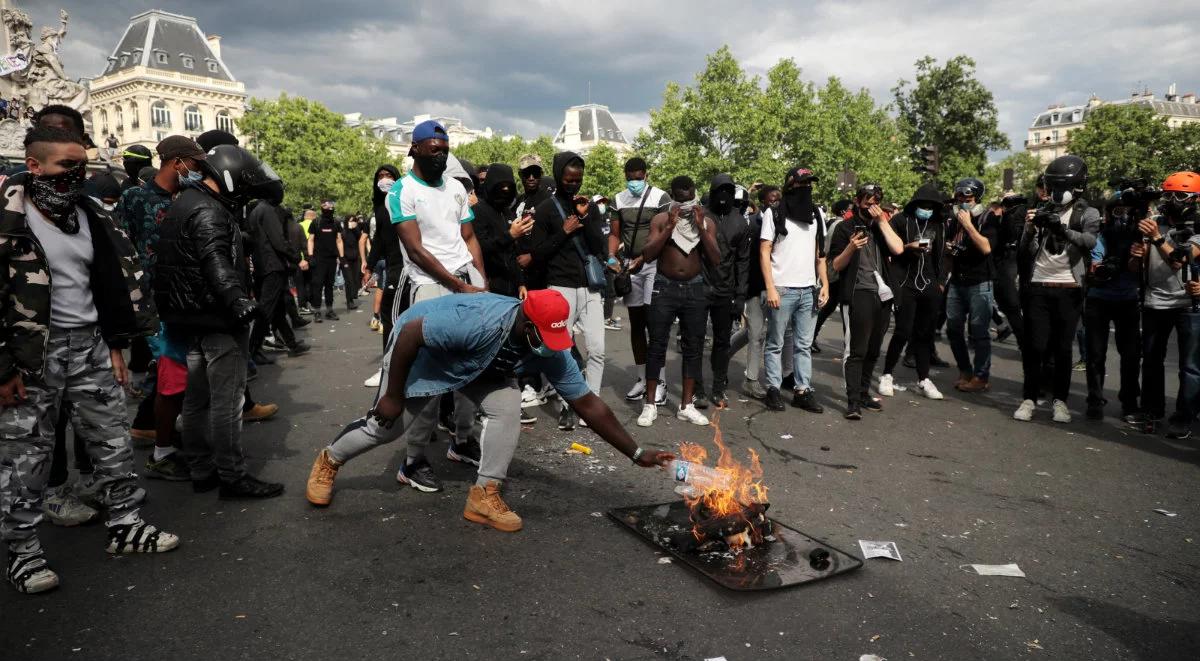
(785,560)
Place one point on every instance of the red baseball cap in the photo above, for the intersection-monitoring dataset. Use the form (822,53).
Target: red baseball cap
(548,311)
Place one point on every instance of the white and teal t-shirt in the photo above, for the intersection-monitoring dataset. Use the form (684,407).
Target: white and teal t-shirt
(439,212)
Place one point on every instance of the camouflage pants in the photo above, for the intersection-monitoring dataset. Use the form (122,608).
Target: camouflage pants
(78,371)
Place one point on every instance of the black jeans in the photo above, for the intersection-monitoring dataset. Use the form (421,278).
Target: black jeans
(1098,313)
(352,275)
(271,291)
(721,314)
(916,313)
(866,320)
(1051,317)
(683,300)
(324,270)
(1157,326)
(1004,289)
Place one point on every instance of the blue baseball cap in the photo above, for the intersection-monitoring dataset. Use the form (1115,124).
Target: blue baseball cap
(429,130)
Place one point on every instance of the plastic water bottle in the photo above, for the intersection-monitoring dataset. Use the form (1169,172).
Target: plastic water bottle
(694,479)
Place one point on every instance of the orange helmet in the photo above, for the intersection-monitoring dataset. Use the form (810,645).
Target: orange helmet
(1183,182)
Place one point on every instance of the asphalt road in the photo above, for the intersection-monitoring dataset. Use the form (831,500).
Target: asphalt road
(387,572)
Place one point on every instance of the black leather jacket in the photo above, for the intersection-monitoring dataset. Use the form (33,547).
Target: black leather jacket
(200,279)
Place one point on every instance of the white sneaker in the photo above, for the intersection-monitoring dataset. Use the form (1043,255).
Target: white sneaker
(660,397)
(886,386)
(927,388)
(690,414)
(648,416)
(1024,412)
(64,508)
(529,397)
(374,380)
(1061,414)
(637,391)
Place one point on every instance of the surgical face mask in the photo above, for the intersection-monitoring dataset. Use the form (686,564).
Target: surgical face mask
(1062,196)
(966,206)
(924,214)
(192,176)
(540,349)
(385,185)
(56,196)
(636,186)
(603,208)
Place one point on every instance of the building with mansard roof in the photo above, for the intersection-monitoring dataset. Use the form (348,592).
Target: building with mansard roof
(164,77)
(587,126)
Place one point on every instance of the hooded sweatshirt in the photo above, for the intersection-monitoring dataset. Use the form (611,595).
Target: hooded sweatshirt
(553,249)
(499,249)
(729,279)
(914,270)
(385,244)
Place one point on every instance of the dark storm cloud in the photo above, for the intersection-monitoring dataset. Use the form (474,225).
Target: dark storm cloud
(515,67)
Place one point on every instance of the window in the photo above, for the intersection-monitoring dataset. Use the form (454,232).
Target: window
(212,67)
(1054,135)
(120,120)
(192,120)
(160,57)
(1054,118)
(188,63)
(224,121)
(160,115)
(124,59)
(103,122)
(1077,115)
(1037,137)
(134,122)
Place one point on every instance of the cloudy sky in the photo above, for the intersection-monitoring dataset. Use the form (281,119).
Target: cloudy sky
(516,66)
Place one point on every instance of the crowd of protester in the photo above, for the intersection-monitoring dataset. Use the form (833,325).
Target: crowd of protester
(480,279)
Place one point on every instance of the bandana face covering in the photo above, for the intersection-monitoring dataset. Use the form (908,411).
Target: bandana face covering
(56,196)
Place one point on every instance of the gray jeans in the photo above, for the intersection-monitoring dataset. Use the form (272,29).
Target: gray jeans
(212,406)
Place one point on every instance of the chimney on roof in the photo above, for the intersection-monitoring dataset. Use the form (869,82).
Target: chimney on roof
(214,44)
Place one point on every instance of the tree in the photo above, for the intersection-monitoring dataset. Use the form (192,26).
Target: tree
(1026,168)
(604,174)
(496,149)
(314,152)
(949,108)
(1129,140)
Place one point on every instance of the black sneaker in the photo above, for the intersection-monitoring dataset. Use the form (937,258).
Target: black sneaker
(853,412)
(331,315)
(301,322)
(773,400)
(699,399)
(566,419)
(1095,412)
(718,399)
(527,418)
(298,349)
(467,453)
(1178,428)
(871,404)
(816,348)
(419,476)
(261,358)
(352,305)
(789,383)
(249,487)
(171,468)
(807,401)
(140,537)
(207,484)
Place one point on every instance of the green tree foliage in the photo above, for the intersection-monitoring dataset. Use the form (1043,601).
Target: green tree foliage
(314,152)
(604,173)
(949,108)
(1026,168)
(730,122)
(1128,140)
(496,149)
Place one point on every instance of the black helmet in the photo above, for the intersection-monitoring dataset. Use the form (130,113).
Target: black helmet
(970,186)
(1066,173)
(240,176)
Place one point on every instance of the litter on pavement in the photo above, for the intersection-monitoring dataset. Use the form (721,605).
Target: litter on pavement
(1166,513)
(997,570)
(879,550)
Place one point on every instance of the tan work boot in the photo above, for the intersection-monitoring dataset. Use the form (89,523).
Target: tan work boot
(484,505)
(260,412)
(976,384)
(319,491)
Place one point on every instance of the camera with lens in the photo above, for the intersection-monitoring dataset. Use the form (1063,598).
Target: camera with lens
(956,248)
(1047,216)
(1107,269)
(1137,194)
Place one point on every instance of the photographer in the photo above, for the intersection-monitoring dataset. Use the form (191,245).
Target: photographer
(1113,298)
(1054,254)
(969,300)
(1004,261)
(1167,305)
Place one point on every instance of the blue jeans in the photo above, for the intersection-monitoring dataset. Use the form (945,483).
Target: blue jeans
(797,306)
(975,301)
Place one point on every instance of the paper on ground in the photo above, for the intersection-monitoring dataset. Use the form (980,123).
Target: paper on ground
(998,570)
(1166,513)
(879,550)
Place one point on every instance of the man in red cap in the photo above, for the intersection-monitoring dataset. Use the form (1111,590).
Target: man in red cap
(473,344)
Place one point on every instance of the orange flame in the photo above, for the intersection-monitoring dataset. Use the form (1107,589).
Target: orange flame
(745,485)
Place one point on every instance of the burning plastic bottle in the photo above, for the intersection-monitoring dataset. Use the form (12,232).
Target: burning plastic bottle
(696,478)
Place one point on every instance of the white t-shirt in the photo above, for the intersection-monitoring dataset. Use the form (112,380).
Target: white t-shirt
(439,212)
(70,257)
(1054,268)
(793,257)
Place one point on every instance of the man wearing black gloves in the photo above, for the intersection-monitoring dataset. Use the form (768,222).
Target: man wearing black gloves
(327,250)
(727,280)
(201,288)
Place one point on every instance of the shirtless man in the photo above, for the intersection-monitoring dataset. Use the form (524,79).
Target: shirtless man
(679,238)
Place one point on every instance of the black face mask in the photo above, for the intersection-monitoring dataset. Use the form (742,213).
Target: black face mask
(722,201)
(798,204)
(56,196)
(1178,213)
(570,190)
(502,198)
(327,213)
(431,167)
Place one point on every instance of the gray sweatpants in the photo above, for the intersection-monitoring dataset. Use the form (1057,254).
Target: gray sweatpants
(498,400)
(78,370)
